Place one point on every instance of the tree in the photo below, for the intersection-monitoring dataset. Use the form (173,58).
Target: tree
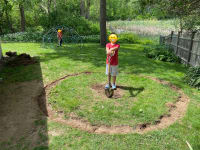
(82,8)
(184,10)
(87,12)
(46,5)
(85,8)
(21,4)
(103,22)
(7,9)
(23,20)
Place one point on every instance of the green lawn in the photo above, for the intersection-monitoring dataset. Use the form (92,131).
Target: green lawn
(75,95)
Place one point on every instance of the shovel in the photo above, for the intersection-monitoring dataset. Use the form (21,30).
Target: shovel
(109,91)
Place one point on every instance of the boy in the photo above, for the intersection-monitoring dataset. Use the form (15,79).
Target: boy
(112,54)
(59,35)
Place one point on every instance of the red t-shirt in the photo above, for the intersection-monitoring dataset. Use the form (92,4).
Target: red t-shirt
(114,59)
(59,35)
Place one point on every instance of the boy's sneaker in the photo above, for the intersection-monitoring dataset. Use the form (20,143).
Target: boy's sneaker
(114,87)
(107,86)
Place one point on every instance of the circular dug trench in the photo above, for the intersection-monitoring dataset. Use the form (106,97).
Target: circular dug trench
(176,111)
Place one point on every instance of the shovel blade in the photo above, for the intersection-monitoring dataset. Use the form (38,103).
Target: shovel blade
(109,92)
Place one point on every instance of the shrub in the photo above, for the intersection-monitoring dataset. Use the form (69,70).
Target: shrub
(128,38)
(193,77)
(162,53)
(94,28)
(23,37)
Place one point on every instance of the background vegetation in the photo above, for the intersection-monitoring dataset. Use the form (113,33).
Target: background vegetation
(83,15)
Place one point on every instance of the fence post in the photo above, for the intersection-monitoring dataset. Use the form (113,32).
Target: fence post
(172,33)
(191,46)
(161,40)
(179,33)
(196,55)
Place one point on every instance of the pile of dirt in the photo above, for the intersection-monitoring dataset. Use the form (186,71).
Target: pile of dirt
(11,54)
(99,89)
(13,59)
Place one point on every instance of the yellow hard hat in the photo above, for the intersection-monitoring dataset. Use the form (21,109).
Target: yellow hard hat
(113,38)
(59,30)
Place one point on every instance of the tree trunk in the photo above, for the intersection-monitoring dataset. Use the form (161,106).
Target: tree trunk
(23,21)
(181,24)
(82,8)
(87,15)
(54,4)
(103,22)
(1,23)
(9,22)
(49,6)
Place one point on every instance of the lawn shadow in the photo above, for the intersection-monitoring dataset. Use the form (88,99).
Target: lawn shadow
(23,124)
(129,56)
(132,90)
(131,60)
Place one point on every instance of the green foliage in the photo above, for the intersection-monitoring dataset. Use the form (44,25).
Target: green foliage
(191,22)
(128,38)
(67,13)
(24,37)
(162,53)
(193,77)
(80,24)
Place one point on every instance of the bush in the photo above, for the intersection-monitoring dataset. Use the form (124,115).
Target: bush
(162,53)
(23,37)
(79,24)
(193,77)
(128,38)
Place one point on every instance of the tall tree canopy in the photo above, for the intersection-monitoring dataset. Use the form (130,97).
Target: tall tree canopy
(26,15)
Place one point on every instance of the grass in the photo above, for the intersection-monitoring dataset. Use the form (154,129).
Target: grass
(76,95)
(57,62)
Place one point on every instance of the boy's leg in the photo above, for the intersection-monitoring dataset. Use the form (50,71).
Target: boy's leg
(114,79)
(114,83)
(109,77)
(114,72)
(60,42)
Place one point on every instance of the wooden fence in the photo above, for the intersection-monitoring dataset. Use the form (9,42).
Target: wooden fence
(185,45)
(0,51)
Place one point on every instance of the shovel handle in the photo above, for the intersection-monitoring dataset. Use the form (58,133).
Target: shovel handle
(109,58)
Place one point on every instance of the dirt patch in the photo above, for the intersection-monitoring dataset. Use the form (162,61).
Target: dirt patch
(55,132)
(19,111)
(16,60)
(54,83)
(99,89)
(170,105)
(176,112)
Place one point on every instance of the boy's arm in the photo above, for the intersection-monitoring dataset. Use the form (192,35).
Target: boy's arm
(108,50)
(114,49)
